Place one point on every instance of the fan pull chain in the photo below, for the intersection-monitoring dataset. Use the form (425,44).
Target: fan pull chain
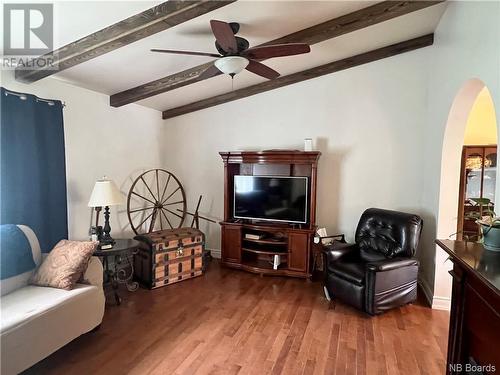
(232,81)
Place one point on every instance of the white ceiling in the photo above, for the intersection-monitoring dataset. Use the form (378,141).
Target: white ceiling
(260,21)
(75,19)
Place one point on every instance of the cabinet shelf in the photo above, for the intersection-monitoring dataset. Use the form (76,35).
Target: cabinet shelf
(265,252)
(263,265)
(271,227)
(259,267)
(267,241)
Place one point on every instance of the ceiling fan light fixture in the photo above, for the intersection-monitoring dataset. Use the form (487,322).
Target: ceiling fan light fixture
(231,64)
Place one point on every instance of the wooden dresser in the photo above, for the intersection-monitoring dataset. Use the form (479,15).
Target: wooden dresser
(474,338)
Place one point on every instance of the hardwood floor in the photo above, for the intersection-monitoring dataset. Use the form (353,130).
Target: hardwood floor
(229,322)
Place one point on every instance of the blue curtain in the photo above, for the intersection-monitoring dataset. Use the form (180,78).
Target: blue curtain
(33,171)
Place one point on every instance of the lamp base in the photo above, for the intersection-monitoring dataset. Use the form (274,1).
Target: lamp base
(107,241)
(106,238)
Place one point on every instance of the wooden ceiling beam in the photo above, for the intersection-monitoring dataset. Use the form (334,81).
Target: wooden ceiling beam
(364,58)
(120,34)
(348,23)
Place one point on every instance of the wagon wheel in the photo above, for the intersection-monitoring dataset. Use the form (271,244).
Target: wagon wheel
(156,201)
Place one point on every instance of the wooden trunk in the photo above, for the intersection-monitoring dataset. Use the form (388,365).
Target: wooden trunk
(168,256)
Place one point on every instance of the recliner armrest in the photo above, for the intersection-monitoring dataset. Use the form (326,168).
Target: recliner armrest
(390,283)
(338,250)
(391,264)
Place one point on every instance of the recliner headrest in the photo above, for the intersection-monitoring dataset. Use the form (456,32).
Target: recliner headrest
(391,233)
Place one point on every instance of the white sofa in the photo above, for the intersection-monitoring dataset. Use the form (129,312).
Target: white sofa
(37,321)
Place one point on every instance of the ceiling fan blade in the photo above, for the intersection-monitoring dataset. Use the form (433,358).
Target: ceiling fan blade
(193,53)
(277,50)
(210,72)
(224,36)
(262,70)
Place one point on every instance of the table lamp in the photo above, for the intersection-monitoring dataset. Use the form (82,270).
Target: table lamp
(105,194)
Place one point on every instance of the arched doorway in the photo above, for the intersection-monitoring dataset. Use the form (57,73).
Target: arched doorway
(478,165)
(451,159)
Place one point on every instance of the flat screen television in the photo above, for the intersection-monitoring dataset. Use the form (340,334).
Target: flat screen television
(283,199)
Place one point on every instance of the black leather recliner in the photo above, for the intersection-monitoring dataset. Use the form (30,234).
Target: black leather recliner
(379,271)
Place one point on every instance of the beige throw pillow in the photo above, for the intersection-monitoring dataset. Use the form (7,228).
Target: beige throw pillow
(64,265)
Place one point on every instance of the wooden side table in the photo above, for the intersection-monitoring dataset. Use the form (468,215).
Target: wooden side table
(318,264)
(121,270)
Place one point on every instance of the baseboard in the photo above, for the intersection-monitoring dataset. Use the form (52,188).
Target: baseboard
(436,302)
(441,303)
(425,288)
(215,253)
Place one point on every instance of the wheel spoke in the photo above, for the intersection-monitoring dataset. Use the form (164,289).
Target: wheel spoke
(165,188)
(141,209)
(173,213)
(146,199)
(175,191)
(168,221)
(150,192)
(142,222)
(170,204)
(161,221)
(153,220)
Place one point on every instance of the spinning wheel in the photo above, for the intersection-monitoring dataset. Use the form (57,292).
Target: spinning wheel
(156,201)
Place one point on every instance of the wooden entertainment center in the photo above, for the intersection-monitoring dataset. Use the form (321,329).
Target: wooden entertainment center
(291,242)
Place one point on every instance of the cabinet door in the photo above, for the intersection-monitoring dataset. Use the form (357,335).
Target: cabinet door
(231,244)
(298,248)
(489,173)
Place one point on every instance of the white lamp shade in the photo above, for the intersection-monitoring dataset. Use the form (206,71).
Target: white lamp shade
(106,193)
(231,64)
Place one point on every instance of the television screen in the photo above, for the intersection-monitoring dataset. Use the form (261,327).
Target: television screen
(271,198)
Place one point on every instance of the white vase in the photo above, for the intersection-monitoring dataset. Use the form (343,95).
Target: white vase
(308,144)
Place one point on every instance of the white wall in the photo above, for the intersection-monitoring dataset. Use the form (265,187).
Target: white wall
(367,122)
(100,140)
(466,46)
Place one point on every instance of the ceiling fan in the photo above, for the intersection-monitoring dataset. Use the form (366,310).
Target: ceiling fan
(235,55)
